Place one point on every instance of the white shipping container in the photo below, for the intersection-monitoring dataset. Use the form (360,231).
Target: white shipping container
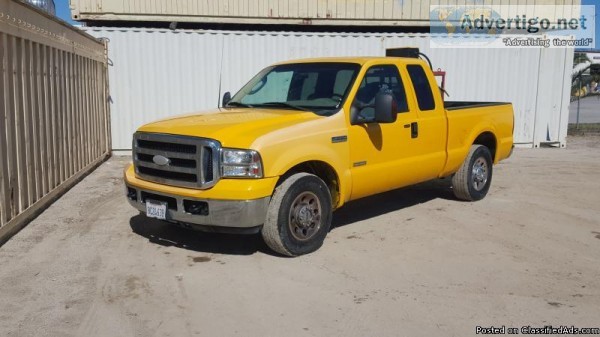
(158,73)
(306,12)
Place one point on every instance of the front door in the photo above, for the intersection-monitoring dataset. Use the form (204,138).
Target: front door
(382,155)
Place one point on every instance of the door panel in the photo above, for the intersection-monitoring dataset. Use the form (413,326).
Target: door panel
(433,130)
(380,152)
(394,155)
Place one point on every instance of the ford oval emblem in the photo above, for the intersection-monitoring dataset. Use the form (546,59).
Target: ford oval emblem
(161,160)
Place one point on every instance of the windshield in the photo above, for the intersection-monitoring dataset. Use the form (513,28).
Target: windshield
(317,87)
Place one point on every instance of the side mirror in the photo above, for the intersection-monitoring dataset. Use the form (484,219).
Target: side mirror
(226,99)
(384,108)
(382,111)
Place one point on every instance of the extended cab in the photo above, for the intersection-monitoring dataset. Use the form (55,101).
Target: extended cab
(303,138)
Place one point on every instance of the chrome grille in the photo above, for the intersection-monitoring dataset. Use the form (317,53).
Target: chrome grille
(191,162)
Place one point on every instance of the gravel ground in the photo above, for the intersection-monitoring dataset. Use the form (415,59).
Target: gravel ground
(412,262)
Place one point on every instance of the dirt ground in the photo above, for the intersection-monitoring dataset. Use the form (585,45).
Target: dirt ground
(412,262)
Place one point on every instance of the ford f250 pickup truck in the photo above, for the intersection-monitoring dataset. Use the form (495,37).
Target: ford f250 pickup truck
(303,138)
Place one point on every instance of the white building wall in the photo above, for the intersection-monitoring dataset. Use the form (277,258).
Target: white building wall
(157,73)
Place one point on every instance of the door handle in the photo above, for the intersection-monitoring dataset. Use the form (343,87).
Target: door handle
(414,130)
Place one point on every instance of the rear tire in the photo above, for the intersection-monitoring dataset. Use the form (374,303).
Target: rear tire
(473,179)
(299,215)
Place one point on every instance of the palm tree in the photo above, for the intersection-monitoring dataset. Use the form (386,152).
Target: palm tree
(581,58)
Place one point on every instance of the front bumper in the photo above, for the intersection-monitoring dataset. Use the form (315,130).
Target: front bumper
(220,213)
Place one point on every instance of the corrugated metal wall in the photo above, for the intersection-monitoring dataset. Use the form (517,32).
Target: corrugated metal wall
(54,124)
(306,12)
(159,73)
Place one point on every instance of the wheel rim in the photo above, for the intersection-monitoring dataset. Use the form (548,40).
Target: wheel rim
(479,174)
(305,216)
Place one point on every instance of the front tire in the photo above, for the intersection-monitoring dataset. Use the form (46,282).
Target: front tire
(299,215)
(473,179)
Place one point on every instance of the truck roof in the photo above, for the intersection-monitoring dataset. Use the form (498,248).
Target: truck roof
(350,59)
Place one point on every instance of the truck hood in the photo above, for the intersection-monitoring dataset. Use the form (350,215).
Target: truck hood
(232,127)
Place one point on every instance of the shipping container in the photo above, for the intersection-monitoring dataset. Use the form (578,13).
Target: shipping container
(156,73)
(54,125)
(307,12)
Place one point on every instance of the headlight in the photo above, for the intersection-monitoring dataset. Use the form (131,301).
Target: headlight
(241,163)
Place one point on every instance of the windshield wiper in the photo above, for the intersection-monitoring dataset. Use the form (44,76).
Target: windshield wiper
(285,105)
(238,104)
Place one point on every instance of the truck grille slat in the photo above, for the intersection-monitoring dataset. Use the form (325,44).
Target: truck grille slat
(207,164)
(171,175)
(164,146)
(167,154)
(190,161)
(178,162)
(172,168)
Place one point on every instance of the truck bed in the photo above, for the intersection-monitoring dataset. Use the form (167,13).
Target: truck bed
(454,105)
(468,120)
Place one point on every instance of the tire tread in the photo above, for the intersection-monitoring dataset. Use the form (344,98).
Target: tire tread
(270,230)
(460,180)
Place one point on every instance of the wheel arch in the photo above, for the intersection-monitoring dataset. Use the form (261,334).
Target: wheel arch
(324,171)
(488,139)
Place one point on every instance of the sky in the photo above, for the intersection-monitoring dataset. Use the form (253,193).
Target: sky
(63,12)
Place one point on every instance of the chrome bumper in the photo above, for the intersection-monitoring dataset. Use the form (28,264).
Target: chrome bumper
(220,213)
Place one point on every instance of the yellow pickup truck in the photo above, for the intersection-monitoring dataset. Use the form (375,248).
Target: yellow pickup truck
(303,138)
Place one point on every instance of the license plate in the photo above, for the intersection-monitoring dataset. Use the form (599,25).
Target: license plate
(156,209)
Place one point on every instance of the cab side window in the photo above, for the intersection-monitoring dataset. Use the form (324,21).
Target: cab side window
(384,78)
(422,87)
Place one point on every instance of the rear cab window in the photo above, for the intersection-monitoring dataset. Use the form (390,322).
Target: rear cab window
(422,87)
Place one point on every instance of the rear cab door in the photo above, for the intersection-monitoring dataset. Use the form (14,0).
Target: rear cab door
(432,122)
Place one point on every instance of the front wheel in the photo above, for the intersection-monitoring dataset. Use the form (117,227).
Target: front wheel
(299,215)
(473,179)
